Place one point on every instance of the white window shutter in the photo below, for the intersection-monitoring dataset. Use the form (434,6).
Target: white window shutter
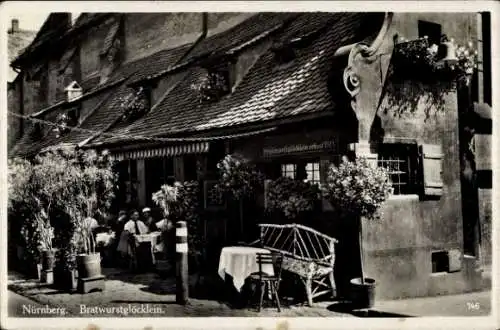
(482,150)
(432,161)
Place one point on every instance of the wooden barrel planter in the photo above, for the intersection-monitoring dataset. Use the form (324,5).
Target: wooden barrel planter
(363,293)
(88,265)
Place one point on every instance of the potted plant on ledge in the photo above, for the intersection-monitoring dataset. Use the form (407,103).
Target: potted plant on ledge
(356,190)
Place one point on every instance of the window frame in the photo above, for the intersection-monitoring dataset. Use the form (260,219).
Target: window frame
(396,153)
(300,168)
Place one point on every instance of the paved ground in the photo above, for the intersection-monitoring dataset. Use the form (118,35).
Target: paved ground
(16,303)
(148,295)
(468,304)
(139,295)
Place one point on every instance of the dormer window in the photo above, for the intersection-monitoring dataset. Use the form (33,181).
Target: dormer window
(73,91)
(136,104)
(214,84)
(65,121)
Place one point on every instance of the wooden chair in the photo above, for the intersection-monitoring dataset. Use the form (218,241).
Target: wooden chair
(271,281)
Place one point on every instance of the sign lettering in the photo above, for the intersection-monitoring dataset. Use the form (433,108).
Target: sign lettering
(298,148)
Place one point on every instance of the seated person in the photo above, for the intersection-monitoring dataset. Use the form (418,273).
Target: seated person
(148,219)
(135,225)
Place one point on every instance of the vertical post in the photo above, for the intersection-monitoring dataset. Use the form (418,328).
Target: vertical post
(141,184)
(182,278)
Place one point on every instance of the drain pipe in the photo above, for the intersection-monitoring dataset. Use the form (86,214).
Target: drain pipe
(204,32)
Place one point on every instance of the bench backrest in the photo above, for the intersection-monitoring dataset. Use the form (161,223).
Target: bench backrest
(299,242)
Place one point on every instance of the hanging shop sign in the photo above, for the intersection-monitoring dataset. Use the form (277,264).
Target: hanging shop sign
(322,146)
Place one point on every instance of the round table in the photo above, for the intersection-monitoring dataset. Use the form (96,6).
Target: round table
(240,262)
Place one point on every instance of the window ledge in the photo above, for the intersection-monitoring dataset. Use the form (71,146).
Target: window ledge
(403,197)
(439,274)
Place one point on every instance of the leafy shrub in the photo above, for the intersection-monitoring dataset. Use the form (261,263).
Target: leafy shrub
(64,188)
(357,188)
(291,197)
(181,202)
(238,178)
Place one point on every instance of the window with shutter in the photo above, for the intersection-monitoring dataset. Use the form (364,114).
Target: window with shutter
(400,160)
(432,163)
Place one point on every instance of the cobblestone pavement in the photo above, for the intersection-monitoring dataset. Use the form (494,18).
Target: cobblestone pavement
(128,293)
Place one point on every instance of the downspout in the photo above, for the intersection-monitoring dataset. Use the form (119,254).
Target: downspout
(204,32)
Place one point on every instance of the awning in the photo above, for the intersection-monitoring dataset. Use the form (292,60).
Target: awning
(168,151)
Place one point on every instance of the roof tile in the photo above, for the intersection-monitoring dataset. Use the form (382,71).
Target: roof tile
(268,91)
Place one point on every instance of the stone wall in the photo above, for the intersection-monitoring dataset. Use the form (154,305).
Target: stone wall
(14,123)
(398,248)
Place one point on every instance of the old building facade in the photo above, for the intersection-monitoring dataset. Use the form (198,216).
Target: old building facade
(290,101)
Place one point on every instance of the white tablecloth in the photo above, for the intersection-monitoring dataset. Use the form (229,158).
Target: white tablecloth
(241,261)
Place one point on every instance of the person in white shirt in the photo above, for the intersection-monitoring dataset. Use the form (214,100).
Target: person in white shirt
(148,219)
(135,225)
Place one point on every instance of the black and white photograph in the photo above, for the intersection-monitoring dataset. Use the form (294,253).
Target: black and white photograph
(257,162)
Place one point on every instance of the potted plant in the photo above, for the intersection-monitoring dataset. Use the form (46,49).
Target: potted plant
(92,184)
(436,70)
(180,202)
(47,253)
(238,180)
(356,190)
(65,274)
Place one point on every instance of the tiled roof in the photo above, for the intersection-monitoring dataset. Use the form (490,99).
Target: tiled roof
(109,111)
(268,91)
(241,33)
(29,145)
(17,42)
(158,61)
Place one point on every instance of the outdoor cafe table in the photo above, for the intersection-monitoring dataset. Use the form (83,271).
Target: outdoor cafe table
(240,262)
(145,245)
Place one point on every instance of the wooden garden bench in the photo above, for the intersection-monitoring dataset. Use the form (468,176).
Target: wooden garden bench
(307,253)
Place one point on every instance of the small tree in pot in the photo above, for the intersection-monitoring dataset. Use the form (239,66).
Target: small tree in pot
(92,184)
(238,180)
(180,202)
(356,190)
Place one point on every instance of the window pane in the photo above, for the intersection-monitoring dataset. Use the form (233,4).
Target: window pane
(312,172)
(316,176)
(396,159)
(288,170)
